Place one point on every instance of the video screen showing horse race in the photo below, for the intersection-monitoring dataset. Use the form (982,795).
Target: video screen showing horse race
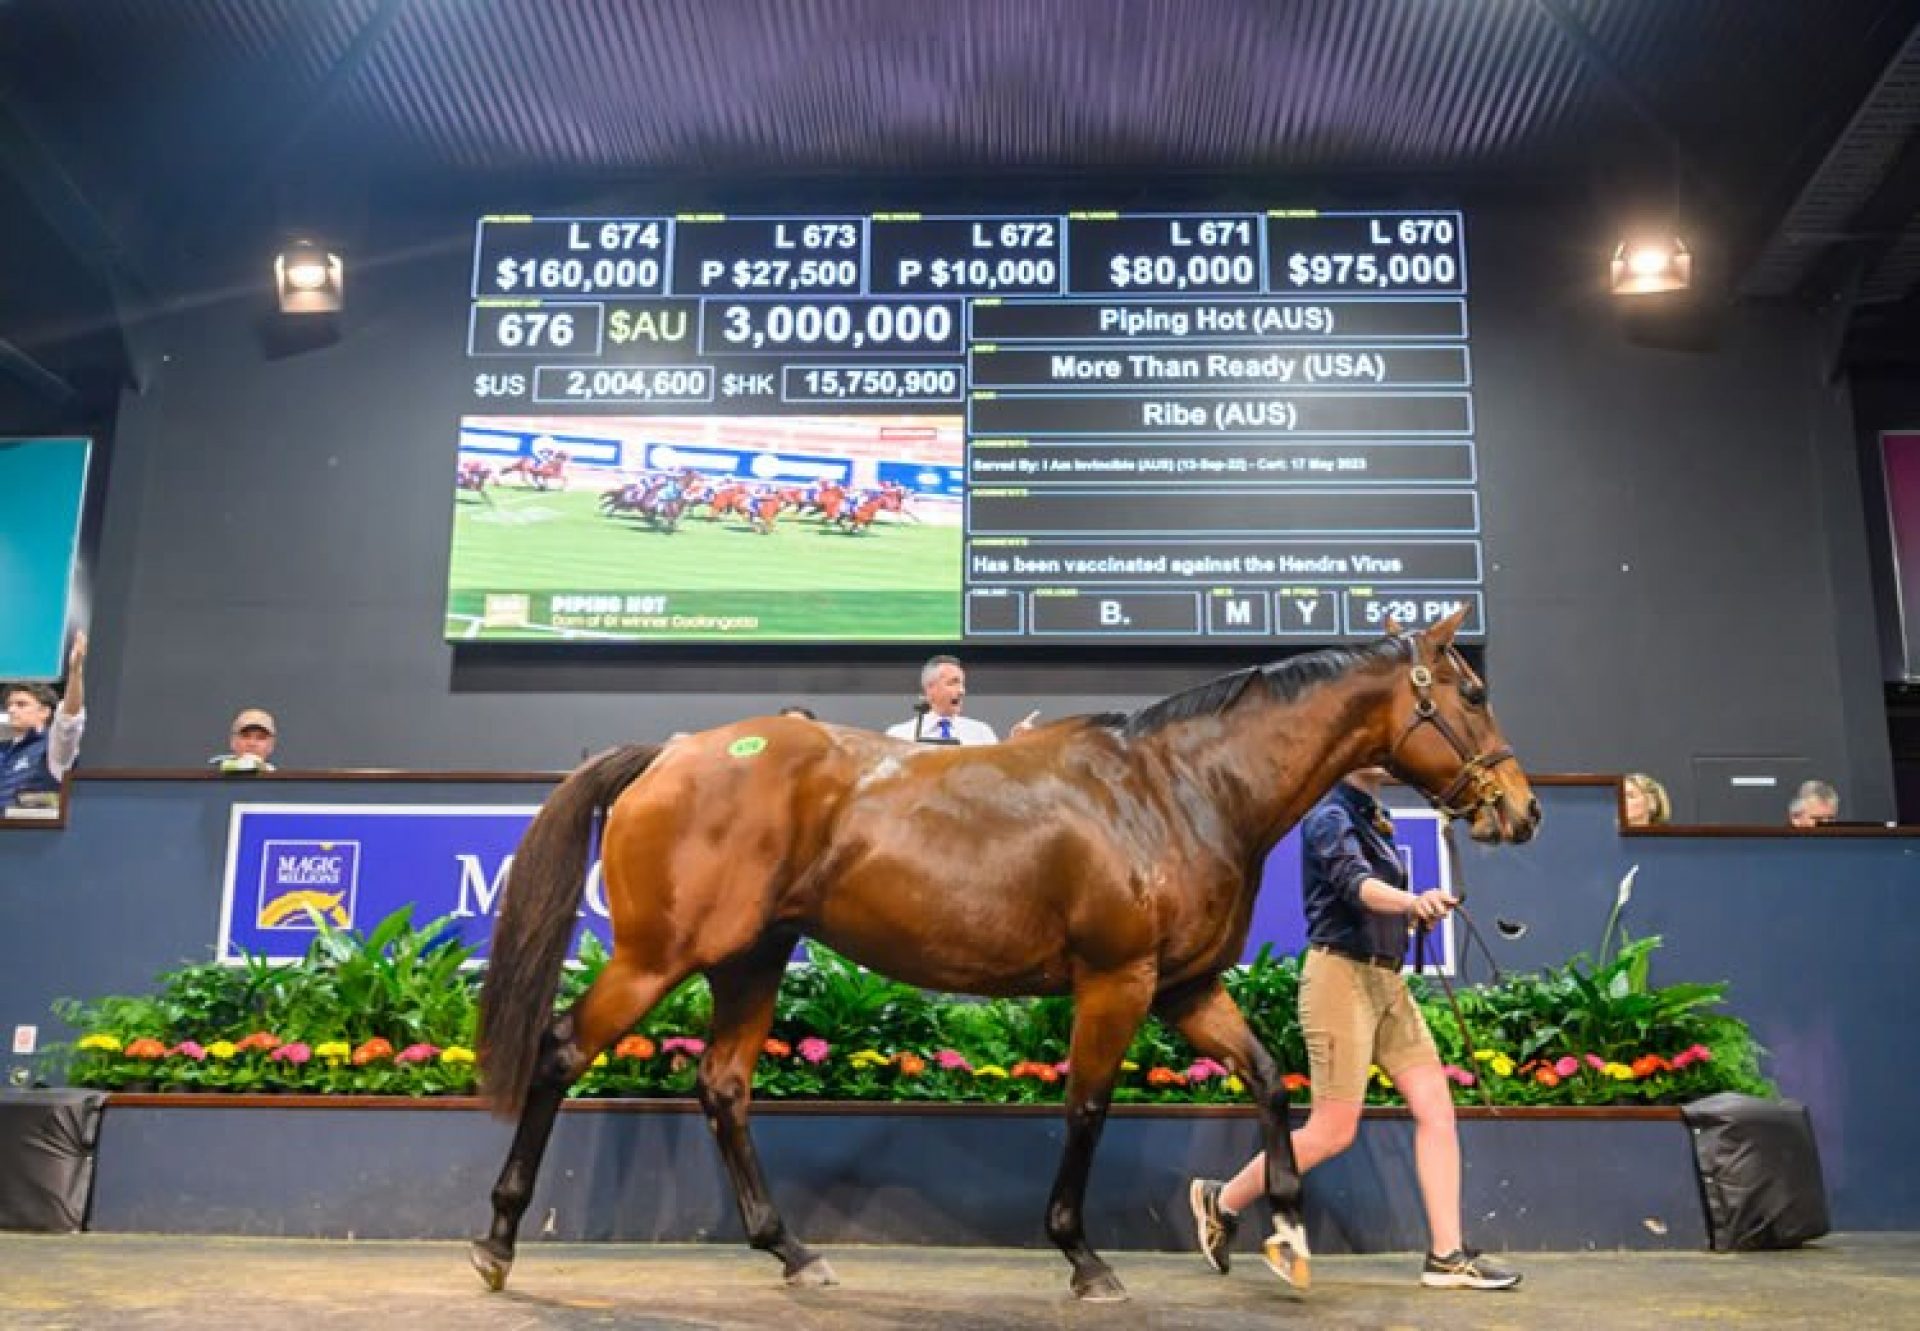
(823,528)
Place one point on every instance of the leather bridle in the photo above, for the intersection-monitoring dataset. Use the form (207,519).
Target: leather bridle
(1473,787)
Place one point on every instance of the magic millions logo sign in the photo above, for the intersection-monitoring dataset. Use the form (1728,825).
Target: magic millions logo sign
(303,882)
(290,866)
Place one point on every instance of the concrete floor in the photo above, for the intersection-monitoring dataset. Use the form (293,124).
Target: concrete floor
(136,1281)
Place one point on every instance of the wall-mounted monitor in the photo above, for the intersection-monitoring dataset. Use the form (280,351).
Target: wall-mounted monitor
(43,488)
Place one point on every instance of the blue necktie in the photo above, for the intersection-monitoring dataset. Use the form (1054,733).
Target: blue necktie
(946,728)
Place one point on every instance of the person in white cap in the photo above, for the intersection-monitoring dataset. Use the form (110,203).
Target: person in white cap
(250,742)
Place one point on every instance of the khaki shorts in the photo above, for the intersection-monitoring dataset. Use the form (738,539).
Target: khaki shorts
(1354,1015)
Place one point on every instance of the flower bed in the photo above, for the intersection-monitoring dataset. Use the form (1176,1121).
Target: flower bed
(393,1013)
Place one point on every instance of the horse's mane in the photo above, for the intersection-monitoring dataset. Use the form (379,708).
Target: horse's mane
(1284,680)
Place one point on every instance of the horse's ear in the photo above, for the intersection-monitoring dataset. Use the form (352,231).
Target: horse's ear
(1393,627)
(1441,634)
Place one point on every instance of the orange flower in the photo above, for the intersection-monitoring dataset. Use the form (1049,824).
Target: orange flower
(778,1049)
(145,1048)
(912,1065)
(259,1040)
(372,1052)
(1165,1077)
(634,1046)
(1041,1072)
(1295,1081)
(1547,1077)
(1646,1065)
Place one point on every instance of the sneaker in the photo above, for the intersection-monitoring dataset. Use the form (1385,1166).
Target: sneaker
(1213,1227)
(1464,1268)
(1286,1252)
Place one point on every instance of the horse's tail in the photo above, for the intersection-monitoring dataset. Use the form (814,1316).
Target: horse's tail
(537,918)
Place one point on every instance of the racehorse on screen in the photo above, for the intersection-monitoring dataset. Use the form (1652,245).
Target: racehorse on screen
(1114,858)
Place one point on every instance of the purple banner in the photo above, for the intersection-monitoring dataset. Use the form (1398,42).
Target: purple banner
(355,864)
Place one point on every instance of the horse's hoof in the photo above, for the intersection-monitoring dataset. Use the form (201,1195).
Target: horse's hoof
(1100,1287)
(1286,1252)
(491,1265)
(816,1274)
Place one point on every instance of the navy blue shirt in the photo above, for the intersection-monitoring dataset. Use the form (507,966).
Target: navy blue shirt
(24,767)
(1340,849)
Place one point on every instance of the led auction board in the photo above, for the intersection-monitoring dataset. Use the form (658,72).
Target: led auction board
(1082,427)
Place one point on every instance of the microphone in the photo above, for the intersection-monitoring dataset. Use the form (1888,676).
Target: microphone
(921,709)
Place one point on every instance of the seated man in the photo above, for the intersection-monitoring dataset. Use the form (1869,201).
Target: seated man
(1814,804)
(46,738)
(250,742)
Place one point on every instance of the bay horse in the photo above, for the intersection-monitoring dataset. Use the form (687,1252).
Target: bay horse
(473,477)
(733,497)
(1114,858)
(860,516)
(538,471)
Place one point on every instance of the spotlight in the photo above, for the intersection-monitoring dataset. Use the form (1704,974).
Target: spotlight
(308,279)
(1651,267)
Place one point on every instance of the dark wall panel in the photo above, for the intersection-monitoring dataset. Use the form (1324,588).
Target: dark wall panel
(1676,564)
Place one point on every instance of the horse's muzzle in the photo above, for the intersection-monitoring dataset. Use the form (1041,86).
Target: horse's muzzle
(1501,823)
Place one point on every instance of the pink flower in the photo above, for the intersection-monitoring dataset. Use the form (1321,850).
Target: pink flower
(813,1049)
(295,1054)
(1698,1053)
(188,1049)
(1566,1067)
(952,1060)
(1459,1076)
(1205,1069)
(1061,1068)
(1596,1062)
(417,1053)
(683,1044)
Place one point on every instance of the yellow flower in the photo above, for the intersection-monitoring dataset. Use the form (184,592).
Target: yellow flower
(1234,1084)
(334,1051)
(454,1053)
(1502,1066)
(222,1049)
(599,1061)
(869,1058)
(990,1070)
(1128,1065)
(1484,1055)
(106,1042)
(1618,1071)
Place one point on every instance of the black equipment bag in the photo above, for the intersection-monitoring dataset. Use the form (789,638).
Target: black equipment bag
(47,1140)
(1759,1172)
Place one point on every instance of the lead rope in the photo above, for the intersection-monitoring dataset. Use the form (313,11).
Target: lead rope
(1446,981)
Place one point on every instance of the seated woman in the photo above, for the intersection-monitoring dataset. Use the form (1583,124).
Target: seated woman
(1646,801)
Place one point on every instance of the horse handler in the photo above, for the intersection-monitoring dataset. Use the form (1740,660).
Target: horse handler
(1355,1011)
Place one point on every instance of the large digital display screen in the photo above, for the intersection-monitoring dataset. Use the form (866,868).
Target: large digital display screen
(1083,427)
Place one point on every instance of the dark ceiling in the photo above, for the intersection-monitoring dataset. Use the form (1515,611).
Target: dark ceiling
(127,127)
